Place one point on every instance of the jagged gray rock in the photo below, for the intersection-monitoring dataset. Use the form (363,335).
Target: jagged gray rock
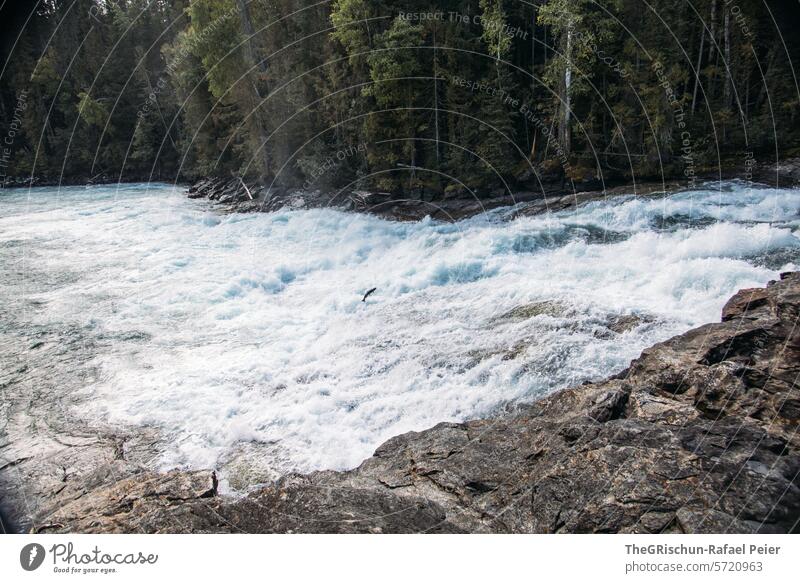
(698,435)
(552,197)
(783,173)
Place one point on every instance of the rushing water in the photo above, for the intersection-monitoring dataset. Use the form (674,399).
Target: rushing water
(239,335)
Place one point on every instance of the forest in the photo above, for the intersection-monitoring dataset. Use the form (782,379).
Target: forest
(396,95)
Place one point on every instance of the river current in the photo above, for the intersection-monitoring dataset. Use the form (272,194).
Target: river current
(245,337)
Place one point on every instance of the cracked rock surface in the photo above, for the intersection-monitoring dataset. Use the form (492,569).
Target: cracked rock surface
(698,435)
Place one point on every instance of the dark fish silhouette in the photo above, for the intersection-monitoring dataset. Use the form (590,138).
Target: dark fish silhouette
(369,293)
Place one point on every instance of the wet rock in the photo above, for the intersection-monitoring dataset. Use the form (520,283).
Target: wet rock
(561,201)
(744,302)
(531,310)
(627,322)
(698,435)
(416,205)
(785,173)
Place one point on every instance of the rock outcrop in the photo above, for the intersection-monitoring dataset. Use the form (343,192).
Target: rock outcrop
(784,173)
(698,435)
(233,195)
(547,194)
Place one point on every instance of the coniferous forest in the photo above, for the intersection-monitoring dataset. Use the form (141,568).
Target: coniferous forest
(441,95)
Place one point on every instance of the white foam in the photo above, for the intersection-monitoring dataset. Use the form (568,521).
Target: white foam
(259,333)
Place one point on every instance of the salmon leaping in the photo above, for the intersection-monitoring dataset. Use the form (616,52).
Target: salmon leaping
(369,293)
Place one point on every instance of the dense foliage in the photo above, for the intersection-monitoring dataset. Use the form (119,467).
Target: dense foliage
(441,95)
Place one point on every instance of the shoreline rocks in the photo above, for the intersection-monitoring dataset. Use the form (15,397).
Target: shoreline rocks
(232,196)
(699,435)
(552,195)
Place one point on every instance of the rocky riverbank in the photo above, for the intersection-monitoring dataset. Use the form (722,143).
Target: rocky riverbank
(698,435)
(235,196)
(549,194)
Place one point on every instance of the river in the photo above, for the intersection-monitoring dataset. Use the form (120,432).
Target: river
(243,343)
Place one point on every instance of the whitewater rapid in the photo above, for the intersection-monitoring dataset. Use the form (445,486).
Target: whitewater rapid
(244,337)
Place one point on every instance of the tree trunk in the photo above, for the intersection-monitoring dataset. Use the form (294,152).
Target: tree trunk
(249,33)
(728,92)
(544,44)
(567,108)
(251,60)
(766,75)
(436,96)
(713,29)
(711,46)
(699,63)
(747,99)
(533,52)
